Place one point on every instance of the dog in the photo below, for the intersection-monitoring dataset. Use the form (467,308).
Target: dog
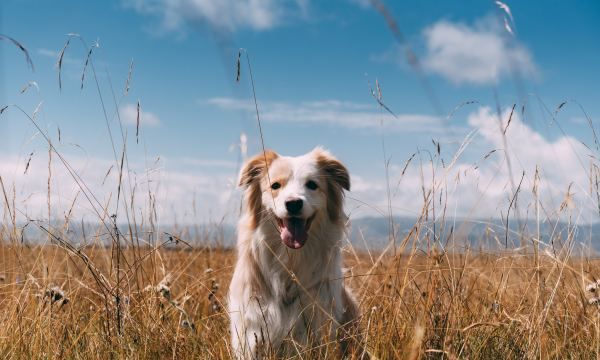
(287,290)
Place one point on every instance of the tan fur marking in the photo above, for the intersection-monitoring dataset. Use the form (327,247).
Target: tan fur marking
(254,203)
(255,166)
(337,178)
(250,176)
(281,180)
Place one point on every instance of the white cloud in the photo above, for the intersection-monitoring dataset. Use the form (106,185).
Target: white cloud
(129,113)
(333,113)
(223,15)
(479,54)
(175,191)
(482,189)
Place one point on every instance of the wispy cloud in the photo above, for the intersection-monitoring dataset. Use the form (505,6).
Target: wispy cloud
(48,53)
(333,113)
(480,54)
(208,163)
(129,114)
(54,54)
(223,15)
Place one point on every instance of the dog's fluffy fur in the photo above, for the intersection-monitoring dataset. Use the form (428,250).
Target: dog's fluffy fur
(287,289)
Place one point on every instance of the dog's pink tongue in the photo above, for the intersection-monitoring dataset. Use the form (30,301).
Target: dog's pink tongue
(293,233)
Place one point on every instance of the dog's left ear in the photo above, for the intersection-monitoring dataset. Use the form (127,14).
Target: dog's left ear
(255,166)
(333,168)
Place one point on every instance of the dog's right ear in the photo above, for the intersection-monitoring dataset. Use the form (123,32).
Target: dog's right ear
(254,167)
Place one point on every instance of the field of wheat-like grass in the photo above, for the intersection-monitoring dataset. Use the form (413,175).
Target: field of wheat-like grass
(171,303)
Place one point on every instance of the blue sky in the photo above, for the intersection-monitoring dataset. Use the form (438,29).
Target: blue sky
(313,65)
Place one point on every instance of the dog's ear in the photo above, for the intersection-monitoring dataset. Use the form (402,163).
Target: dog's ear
(250,180)
(255,166)
(333,168)
(338,179)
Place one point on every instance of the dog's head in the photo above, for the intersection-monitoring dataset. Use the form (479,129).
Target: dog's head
(293,191)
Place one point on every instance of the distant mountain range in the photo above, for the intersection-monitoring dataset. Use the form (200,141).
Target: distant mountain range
(374,232)
(368,232)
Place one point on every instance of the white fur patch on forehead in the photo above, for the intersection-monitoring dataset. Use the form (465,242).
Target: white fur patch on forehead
(305,165)
(298,167)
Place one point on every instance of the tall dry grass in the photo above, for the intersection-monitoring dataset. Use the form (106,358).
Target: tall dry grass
(471,305)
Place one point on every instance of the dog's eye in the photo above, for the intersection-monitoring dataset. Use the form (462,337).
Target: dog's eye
(311,185)
(275,185)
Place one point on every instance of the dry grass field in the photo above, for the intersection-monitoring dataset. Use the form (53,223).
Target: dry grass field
(72,303)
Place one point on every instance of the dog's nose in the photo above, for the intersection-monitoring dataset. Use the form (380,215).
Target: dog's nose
(294,206)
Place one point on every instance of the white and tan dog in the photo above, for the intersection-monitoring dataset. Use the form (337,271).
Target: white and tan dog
(287,290)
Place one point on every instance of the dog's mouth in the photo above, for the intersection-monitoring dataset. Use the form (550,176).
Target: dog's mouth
(294,231)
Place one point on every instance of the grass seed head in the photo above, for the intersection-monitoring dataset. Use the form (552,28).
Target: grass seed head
(187,324)
(164,287)
(594,301)
(593,287)
(55,294)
